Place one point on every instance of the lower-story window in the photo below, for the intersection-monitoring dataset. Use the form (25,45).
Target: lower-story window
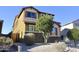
(30,28)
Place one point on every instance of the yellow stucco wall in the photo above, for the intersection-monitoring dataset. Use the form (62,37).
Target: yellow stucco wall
(21,26)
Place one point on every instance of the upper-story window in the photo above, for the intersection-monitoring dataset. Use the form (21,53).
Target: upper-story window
(54,30)
(30,14)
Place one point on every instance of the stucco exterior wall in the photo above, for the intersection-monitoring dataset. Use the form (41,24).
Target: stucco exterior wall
(69,26)
(58,30)
(20,26)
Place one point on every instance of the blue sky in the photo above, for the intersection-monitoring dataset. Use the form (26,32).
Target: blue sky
(63,14)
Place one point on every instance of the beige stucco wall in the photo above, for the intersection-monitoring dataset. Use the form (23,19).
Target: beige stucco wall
(58,30)
(69,26)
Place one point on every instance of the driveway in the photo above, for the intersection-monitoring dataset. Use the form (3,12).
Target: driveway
(39,47)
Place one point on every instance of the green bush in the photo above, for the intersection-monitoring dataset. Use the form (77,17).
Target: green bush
(29,38)
(6,41)
(73,34)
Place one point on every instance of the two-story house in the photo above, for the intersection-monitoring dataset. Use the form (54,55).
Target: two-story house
(26,20)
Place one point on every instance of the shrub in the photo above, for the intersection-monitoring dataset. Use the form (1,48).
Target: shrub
(29,38)
(61,46)
(6,41)
(9,41)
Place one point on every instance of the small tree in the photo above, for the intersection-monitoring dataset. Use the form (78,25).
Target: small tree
(73,34)
(45,24)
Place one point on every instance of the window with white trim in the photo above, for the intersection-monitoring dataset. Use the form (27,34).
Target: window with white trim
(31,28)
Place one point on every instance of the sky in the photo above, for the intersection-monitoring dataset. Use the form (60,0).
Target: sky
(63,14)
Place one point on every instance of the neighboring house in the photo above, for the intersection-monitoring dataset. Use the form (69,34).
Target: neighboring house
(1,34)
(66,27)
(71,25)
(26,20)
(1,24)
